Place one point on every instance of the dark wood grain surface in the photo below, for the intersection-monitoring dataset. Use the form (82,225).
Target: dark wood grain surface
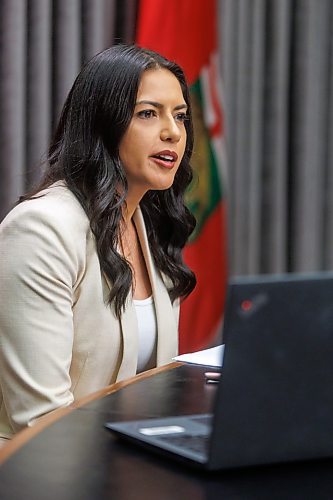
(76,458)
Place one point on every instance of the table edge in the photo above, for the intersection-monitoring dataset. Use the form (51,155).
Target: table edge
(20,439)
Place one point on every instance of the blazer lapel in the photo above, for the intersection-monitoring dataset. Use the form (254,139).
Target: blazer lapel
(167,340)
(129,330)
(130,340)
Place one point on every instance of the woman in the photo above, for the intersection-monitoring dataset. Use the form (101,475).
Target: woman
(90,262)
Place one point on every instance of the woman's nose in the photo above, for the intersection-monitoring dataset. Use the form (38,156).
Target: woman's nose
(170,131)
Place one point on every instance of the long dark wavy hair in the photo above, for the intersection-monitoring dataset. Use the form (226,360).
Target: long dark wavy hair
(85,154)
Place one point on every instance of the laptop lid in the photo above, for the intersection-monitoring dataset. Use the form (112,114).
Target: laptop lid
(275,402)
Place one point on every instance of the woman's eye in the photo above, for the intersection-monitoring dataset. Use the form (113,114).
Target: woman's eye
(181,117)
(146,113)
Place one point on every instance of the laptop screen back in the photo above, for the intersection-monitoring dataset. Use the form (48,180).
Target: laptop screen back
(275,402)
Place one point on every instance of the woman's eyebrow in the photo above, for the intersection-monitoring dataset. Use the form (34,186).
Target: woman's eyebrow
(159,105)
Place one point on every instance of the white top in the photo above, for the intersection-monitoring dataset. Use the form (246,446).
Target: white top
(147,328)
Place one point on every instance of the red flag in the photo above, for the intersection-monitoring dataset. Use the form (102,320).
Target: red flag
(185,31)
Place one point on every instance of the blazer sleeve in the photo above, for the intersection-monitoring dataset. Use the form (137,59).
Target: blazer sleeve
(41,261)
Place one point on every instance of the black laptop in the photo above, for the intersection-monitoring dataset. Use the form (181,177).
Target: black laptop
(274,402)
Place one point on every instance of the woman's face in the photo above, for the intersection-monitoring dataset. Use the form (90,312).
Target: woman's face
(154,143)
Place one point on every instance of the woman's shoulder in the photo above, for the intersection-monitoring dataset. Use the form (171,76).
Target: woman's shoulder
(56,205)
(55,199)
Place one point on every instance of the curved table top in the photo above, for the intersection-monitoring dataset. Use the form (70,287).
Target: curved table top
(24,436)
(70,455)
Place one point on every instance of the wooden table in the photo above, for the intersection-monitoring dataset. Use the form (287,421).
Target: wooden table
(70,455)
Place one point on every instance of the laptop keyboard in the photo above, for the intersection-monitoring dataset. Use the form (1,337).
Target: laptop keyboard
(199,444)
(205,420)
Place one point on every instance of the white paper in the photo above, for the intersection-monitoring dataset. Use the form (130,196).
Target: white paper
(212,357)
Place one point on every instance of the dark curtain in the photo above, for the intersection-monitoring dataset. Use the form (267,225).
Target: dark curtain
(43,44)
(276,58)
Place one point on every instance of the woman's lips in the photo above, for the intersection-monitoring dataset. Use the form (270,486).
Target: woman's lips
(166,158)
(163,163)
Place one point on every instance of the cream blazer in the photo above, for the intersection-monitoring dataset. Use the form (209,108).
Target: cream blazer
(59,341)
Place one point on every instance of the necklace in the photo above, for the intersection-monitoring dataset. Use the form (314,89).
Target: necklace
(129,242)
